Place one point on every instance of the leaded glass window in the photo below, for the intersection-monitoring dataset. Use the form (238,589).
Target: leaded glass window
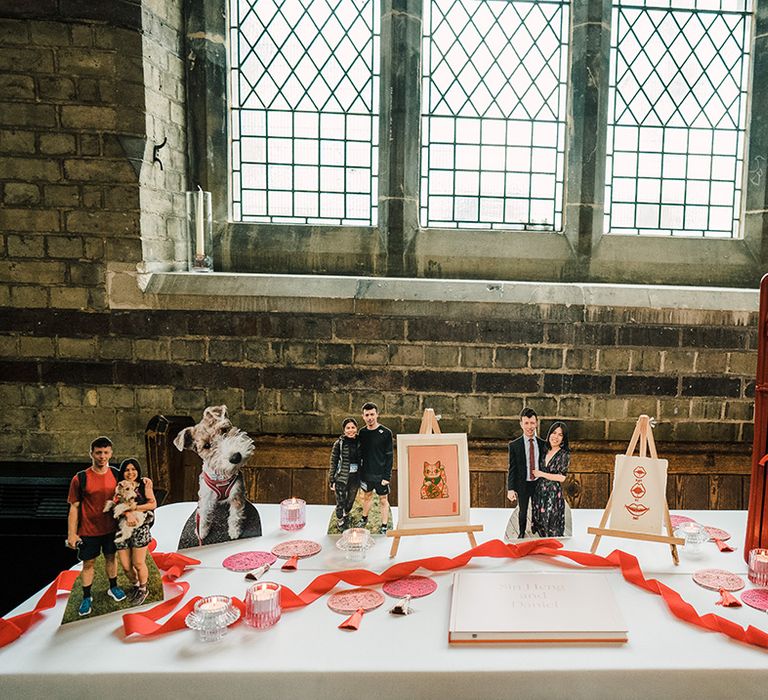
(493,113)
(304,91)
(677,116)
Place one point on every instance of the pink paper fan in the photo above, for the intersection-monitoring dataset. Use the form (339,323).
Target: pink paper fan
(715,579)
(296,548)
(715,533)
(756,598)
(414,586)
(245,561)
(354,599)
(679,519)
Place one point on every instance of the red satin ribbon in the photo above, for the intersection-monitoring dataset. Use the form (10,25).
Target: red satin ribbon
(628,564)
(353,622)
(12,628)
(145,623)
(361,577)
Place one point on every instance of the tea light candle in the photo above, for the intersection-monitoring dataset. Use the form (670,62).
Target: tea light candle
(293,514)
(758,567)
(212,606)
(212,615)
(695,536)
(262,605)
(355,542)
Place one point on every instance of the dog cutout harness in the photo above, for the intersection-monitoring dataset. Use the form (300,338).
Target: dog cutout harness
(222,488)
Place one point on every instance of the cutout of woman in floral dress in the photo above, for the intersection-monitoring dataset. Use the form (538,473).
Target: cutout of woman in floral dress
(548,518)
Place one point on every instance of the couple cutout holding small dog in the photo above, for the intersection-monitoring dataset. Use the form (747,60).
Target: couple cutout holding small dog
(362,460)
(91,527)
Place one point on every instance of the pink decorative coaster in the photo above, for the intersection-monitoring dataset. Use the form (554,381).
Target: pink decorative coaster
(245,561)
(414,586)
(756,598)
(296,548)
(715,533)
(678,519)
(354,599)
(715,579)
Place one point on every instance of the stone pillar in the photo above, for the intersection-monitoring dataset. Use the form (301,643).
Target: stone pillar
(756,164)
(587,129)
(206,91)
(399,130)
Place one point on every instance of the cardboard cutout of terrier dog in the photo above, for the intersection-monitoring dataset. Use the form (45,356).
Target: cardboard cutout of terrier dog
(223,511)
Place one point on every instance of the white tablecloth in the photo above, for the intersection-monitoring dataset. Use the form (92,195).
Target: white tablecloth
(305,655)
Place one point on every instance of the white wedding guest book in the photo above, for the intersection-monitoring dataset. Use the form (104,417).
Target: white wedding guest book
(509,607)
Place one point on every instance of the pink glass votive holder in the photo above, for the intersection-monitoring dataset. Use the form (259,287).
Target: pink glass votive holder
(293,514)
(262,605)
(757,572)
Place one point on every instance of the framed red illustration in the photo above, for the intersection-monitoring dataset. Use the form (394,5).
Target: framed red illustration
(433,480)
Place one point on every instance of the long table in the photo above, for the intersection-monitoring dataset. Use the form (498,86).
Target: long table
(306,655)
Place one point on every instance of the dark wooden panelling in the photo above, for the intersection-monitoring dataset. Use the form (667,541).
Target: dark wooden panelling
(588,490)
(311,485)
(272,485)
(692,491)
(702,478)
(491,490)
(725,492)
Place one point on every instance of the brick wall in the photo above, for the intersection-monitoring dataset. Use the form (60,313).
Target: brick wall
(81,373)
(83,98)
(85,91)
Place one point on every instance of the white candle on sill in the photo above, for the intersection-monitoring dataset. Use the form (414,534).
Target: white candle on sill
(199,224)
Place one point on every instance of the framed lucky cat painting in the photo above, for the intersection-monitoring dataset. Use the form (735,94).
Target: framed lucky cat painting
(433,480)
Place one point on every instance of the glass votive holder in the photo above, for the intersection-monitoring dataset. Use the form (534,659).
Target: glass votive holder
(262,605)
(293,514)
(211,616)
(199,231)
(695,536)
(355,543)
(757,572)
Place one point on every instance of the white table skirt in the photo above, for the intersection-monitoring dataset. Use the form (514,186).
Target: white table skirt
(305,655)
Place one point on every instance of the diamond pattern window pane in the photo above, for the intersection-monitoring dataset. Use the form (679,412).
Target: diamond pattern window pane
(677,117)
(304,85)
(493,113)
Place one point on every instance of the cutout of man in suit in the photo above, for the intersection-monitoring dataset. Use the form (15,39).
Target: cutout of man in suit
(524,454)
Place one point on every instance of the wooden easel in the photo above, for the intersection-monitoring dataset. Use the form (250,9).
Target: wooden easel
(647,447)
(429,426)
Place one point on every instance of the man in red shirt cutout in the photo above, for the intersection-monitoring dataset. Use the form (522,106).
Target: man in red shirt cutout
(90,530)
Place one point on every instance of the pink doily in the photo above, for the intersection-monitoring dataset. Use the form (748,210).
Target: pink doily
(756,598)
(414,586)
(296,548)
(678,519)
(715,579)
(715,533)
(245,561)
(354,599)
